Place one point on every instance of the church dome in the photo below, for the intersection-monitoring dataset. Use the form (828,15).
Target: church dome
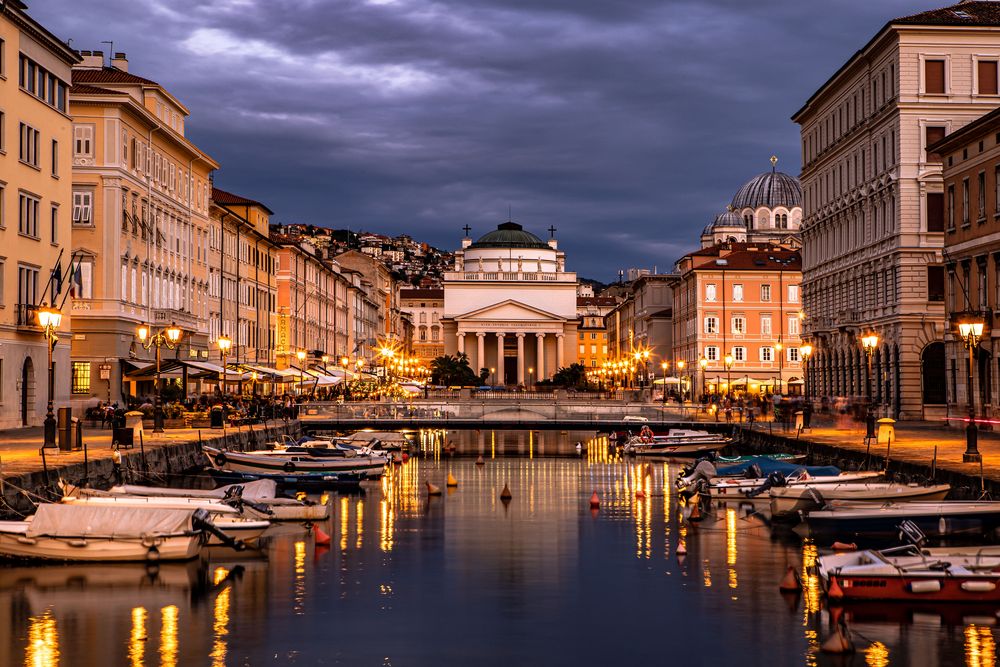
(770,189)
(509,235)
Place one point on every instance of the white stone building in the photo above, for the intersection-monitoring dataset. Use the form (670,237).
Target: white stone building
(510,305)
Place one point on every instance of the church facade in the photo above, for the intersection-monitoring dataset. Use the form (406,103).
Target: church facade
(510,306)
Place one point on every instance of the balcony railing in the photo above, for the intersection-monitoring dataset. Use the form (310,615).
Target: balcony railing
(166,316)
(505,276)
(26,315)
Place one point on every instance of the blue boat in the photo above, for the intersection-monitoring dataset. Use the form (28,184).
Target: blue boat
(768,465)
(338,481)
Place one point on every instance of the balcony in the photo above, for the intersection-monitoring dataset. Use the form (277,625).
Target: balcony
(26,315)
(163,317)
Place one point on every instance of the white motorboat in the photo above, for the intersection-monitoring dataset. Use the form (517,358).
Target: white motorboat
(226,518)
(721,488)
(849,520)
(294,464)
(262,492)
(790,500)
(105,533)
(677,442)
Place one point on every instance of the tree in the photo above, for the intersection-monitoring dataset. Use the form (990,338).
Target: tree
(573,376)
(453,371)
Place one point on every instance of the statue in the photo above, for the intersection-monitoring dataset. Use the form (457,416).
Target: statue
(499,264)
(520,264)
(480,264)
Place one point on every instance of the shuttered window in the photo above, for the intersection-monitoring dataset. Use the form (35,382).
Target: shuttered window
(935,283)
(987,71)
(935,212)
(934,77)
(933,135)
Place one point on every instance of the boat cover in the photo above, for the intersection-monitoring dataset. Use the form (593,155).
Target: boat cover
(263,489)
(56,520)
(769,465)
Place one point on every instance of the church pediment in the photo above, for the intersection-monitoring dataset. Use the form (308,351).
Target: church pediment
(509,311)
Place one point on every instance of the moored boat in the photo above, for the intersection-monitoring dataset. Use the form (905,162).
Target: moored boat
(293,464)
(851,521)
(721,488)
(789,501)
(677,442)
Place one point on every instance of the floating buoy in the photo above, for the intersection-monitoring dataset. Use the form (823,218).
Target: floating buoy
(433,490)
(579,447)
(506,494)
(681,549)
(480,461)
(834,591)
(451,480)
(405,457)
(320,537)
(695,513)
(839,641)
(842,546)
(595,500)
(790,582)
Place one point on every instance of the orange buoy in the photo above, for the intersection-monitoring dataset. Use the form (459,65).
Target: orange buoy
(839,641)
(790,582)
(320,537)
(595,500)
(506,494)
(405,457)
(433,490)
(841,546)
(681,549)
(695,513)
(451,480)
(480,461)
(834,591)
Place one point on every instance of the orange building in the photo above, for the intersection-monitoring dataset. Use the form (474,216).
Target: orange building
(743,300)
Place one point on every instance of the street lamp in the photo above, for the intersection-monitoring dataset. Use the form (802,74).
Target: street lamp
(665,365)
(778,347)
(703,362)
(805,351)
(493,378)
(971,331)
(301,356)
(869,343)
(225,344)
(169,337)
(530,371)
(680,367)
(49,319)
(728,359)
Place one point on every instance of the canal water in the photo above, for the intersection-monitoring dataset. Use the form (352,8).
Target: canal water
(466,579)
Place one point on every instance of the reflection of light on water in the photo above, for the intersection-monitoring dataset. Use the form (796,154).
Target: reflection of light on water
(813,647)
(300,576)
(682,533)
(531,444)
(220,620)
(360,527)
(706,574)
(980,648)
(168,636)
(43,641)
(877,655)
(388,518)
(344,519)
(810,580)
(731,546)
(137,638)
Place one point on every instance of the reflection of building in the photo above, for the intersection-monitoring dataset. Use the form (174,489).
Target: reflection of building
(140,223)
(35,210)
(510,304)
(872,231)
(740,299)
(425,307)
(968,283)
(593,334)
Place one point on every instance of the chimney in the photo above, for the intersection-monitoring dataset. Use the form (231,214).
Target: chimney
(92,59)
(119,61)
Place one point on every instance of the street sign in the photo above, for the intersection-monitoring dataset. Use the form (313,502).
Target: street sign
(105,371)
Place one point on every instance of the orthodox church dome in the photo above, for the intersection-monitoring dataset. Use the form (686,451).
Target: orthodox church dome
(771,189)
(509,235)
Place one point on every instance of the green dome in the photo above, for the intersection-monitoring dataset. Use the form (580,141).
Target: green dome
(509,235)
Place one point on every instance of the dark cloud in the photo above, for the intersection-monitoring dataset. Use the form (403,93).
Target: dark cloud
(628,124)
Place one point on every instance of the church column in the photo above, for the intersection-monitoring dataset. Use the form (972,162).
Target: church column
(500,378)
(541,356)
(461,341)
(520,358)
(480,353)
(560,352)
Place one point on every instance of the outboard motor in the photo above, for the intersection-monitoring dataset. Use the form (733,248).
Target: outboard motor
(200,521)
(910,532)
(753,471)
(775,479)
(703,471)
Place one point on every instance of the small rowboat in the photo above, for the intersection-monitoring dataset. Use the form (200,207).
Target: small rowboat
(677,442)
(293,464)
(338,481)
(788,501)
(908,573)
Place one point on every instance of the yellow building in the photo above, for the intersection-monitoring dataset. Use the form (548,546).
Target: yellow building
(35,191)
(593,332)
(140,225)
(242,278)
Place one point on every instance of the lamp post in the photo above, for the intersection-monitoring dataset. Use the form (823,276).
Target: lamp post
(805,351)
(728,359)
(493,377)
(225,344)
(301,356)
(870,344)
(665,366)
(49,319)
(680,367)
(703,362)
(971,331)
(168,337)
(530,371)
(778,347)
(253,383)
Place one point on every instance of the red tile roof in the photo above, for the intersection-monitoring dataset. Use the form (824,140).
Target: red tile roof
(108,75)
(596,301)
(83,89)
(228,198)
(964,13)
(421,293)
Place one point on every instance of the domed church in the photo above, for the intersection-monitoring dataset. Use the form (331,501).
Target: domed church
(767,209)
(510,305)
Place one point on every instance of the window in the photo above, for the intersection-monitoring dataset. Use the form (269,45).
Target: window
(792,354)
(987,71)
(29,145)
(965,201)
(3,224)
(935,283)
(83,201)
(932,135)
(737,292)
(27,222)
(39,82)
(934,77)
(767,354)
(55,158)
(981,196)
(793,293)
(27,285)
(582,348)
(793,325)
(3,132)
(739,325)
(712,353)
(739,354)
(935,212)
(83,141)
(765,292)
(765,324)
(81,377)
(54,223)
(711,325)
(951,207)
(710,292)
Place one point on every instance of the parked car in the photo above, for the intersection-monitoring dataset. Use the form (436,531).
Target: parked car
(634,418)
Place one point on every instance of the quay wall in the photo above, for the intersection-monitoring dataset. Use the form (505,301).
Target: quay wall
(20,492)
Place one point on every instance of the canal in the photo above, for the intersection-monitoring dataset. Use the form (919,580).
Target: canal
(466,579)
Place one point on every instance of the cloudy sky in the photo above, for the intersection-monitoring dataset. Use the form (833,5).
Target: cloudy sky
(627,124)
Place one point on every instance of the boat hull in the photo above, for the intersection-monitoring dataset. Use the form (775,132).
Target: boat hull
(736,488)
(905,588)
(293,465)
(788,502)
(323,481)
(90,549)
(830,528)
(683,449)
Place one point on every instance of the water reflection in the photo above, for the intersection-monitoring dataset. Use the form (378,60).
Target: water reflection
(168,636)
(43,641)
(220,625)
(137,638)
(980,647)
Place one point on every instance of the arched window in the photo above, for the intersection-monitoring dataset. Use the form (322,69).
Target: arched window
(932,373)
